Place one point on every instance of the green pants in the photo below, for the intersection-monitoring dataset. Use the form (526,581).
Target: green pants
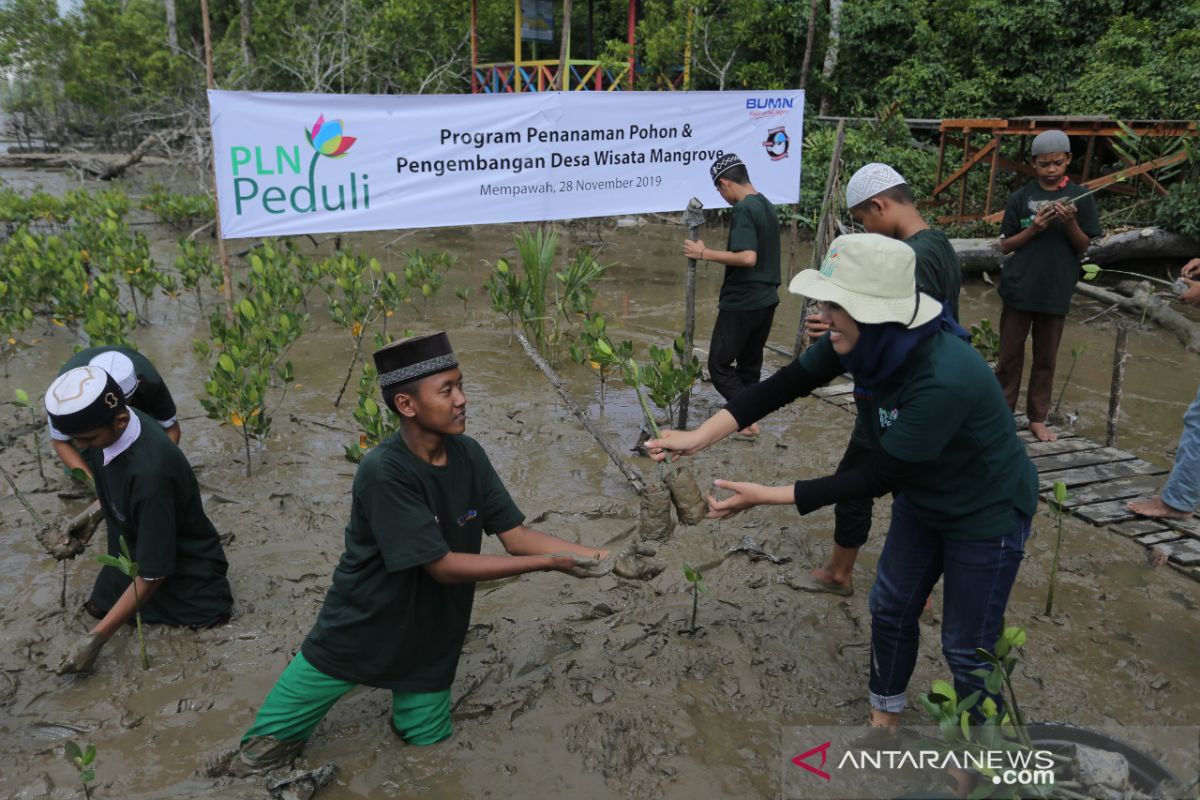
(303,695)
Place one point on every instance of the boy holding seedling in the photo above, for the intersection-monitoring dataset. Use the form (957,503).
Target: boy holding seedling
(748,293)
(397,612)
(1047,232)
(144,390)
(150,497)
(881,201)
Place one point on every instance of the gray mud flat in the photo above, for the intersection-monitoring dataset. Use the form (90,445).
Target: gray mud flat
(566,688)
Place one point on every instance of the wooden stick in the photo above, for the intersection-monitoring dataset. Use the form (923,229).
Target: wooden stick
(222,254)
(638,483)
(693,216)
(1120,355)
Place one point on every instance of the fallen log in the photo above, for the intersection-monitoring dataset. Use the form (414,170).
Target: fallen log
(94,164)
(1136,297)
(980,255)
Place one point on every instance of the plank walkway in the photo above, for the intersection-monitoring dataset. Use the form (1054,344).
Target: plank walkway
(1100,480)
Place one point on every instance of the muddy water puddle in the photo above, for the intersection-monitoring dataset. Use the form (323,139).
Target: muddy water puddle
(566,688)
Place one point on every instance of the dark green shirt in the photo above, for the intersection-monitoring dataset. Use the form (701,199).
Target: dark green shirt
(1040,276)
(151,394)
(753,225)
(385,621)
(938,271)
(943,409)
(150,494)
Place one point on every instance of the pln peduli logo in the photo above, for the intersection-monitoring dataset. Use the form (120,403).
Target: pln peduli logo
(275,178)
(776,143)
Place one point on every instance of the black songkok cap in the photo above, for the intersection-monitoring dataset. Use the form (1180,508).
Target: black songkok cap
(722,165)
(410,359)
(83,399)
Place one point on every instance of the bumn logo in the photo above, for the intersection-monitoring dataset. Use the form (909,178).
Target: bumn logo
(756,103)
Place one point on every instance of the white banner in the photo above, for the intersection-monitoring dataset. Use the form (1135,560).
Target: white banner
(307,163)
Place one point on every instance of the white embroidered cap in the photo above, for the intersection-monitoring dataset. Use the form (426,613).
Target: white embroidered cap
(120,367)
(869,181)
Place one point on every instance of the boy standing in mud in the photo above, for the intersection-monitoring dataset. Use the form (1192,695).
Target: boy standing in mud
(399,606)
(1047,233)
(748,294)
(881,201)
(150,497)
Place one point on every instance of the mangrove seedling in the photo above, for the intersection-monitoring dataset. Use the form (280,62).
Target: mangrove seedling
(424,276)
(1091,271)
(463,293)
(694,577)
(1060,513)
(600,354)
(129,568)
(360,293)
(81,760)
(21,400)
(986,339)
(1076,351)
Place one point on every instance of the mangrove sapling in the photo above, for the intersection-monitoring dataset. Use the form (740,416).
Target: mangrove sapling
(360,293)
(424,275)
(694,577)
(601,354)
(22,401)
(1060,513)
(1091,271)
(463,293)
(129,568)
(1076,351)
(986,340)
(81,760)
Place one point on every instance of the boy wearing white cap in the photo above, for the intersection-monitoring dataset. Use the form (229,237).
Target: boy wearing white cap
(143,387)
(881,201)
(1047,234)
(150,497)
(748,293)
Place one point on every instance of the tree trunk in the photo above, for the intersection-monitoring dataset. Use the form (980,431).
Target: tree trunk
(172,27)
(564,50)
(1135,298)
(247,17)
(808,42)
(980,255)
(831,50)
(114,169)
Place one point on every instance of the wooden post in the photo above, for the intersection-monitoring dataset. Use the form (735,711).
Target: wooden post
(693,217)
(687,49)
(564,54)
(937,180)
(632,38)
(1087,158)
(517,47)
(1120,355)
(474,46)
(222,253)
(987,205)
(962,192)
(826,229)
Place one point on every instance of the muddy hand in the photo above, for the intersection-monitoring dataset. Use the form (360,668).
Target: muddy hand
(82,654)
(632,563)
(586,566)
(1191,269)
(815,327)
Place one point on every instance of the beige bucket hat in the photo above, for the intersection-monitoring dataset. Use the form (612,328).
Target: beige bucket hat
(873,278)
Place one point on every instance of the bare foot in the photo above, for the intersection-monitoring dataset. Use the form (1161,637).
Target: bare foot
(750,430)
(826,577)
(1155,507)
(1043,433)
(884,719)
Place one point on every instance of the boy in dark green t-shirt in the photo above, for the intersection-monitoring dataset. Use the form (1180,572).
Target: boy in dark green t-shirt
(748,294)
(151,499)
(1047,234)
(397,612)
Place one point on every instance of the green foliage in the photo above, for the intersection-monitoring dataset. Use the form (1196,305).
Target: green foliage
(82,760)
(668,375)
(986,339)
(598,352)
(424,275)
(129,568)
(178,209)
(375,422)
(548,304)
(694,577)
(246,354)
(360,293)
(1179,211)
(196,266)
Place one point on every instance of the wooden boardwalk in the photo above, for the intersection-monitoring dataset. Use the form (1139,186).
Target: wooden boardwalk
(1100,480)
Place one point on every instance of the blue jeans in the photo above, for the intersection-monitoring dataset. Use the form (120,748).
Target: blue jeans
(978,577)
(1183,484)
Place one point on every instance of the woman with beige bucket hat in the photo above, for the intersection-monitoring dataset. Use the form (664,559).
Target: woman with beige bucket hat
(943,443)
